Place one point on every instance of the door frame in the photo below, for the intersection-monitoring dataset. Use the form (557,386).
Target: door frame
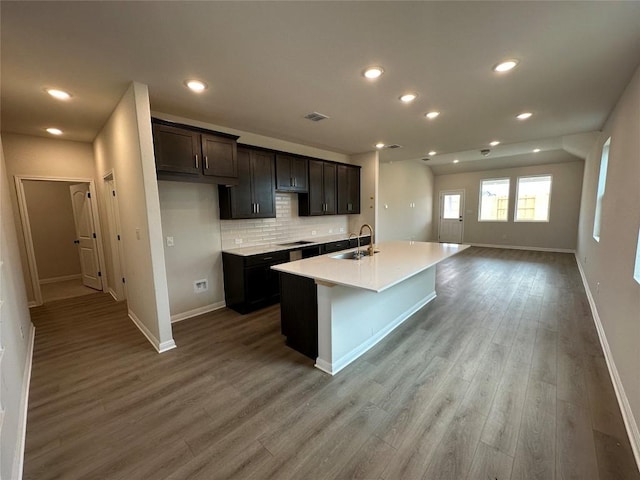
(26,227)
(441,209)
(112,207)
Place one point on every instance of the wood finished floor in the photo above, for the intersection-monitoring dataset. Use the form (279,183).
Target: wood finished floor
(501,377)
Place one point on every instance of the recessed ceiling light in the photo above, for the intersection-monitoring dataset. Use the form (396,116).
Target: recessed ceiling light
(456,161)
(59,94)
(524,115)
(408,97)
(54,131)
(379,145)
(196,85)
(536,150)
(506,65)
(432,152)
(432,115)
(494,143)
(373,72)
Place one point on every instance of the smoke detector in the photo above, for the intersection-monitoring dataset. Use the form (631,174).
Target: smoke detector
(485,152)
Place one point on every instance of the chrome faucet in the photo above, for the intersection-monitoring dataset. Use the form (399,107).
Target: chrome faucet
(371,248)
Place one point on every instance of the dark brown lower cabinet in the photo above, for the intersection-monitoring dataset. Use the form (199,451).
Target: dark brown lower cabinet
(299,313)
(249,282)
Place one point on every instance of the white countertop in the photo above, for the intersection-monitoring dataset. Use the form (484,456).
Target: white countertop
(279,247)
(395,262)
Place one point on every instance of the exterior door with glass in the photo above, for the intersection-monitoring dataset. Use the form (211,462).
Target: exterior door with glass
(451,217)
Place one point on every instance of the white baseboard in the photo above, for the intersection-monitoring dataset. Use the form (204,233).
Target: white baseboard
(178,317)
(18,461)
(519,247)
(113,294)
(160,347)
(623,401)
(64,278)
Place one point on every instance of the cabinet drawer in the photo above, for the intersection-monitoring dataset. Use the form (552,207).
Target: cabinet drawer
(336,246)
(272,258)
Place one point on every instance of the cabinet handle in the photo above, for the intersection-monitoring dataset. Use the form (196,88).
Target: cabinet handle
(206,162)
(253,208)
(295,182)
(196,155)
(257,208)
(291,184)
(267,258)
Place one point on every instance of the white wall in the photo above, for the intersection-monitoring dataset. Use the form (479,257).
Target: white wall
(608,265)
(559,233)
(42,157)
(53,228)
(125,145)
(406,201)
(16,337)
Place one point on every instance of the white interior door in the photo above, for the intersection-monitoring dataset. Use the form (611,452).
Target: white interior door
(85,236)
(115,238)
(451,217)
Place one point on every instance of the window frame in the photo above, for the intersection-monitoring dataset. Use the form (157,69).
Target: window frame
(515,210)
(601,189)
(482,180)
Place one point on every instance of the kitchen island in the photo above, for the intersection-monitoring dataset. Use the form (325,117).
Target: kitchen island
(334,308)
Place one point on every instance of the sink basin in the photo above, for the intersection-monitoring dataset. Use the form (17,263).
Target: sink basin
(352,255)
(293,244)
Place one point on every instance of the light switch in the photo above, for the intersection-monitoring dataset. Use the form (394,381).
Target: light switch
(170,242)
(137,234)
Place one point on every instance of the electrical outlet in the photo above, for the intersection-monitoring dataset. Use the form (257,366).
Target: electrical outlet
(137,234)
(331,230)
(200,286)
(341,230)
(238,241)
(313,232)
(170,242)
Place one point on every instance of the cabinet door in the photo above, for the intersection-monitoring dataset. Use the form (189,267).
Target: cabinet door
(348,189)
(240,195)
(299,174)
(329,188)
(316,194)
(263,184)
(176,150)
(284,180)
(219,157)
(258,289)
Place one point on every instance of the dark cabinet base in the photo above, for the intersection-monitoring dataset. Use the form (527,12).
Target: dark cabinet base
(299,313)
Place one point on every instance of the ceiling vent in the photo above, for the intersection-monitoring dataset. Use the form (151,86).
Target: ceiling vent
(315,116)
(394,146)
(426,159)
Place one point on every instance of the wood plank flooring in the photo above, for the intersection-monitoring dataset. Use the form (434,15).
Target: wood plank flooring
(501,377)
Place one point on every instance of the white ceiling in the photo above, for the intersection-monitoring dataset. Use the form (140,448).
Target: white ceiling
(270,63)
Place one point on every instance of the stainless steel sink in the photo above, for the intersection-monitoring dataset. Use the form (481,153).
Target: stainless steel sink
(353,255)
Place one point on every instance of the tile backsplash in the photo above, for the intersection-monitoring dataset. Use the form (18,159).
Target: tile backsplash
(286,226)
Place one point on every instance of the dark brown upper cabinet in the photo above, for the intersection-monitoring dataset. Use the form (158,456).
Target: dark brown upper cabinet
(291,173)
(348,189)
(321,198)
(254,195)
(194,155)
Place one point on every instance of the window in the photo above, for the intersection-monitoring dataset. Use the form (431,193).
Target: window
(636,270)
(602,183)
(494,200)
(533,199)
(451,206)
